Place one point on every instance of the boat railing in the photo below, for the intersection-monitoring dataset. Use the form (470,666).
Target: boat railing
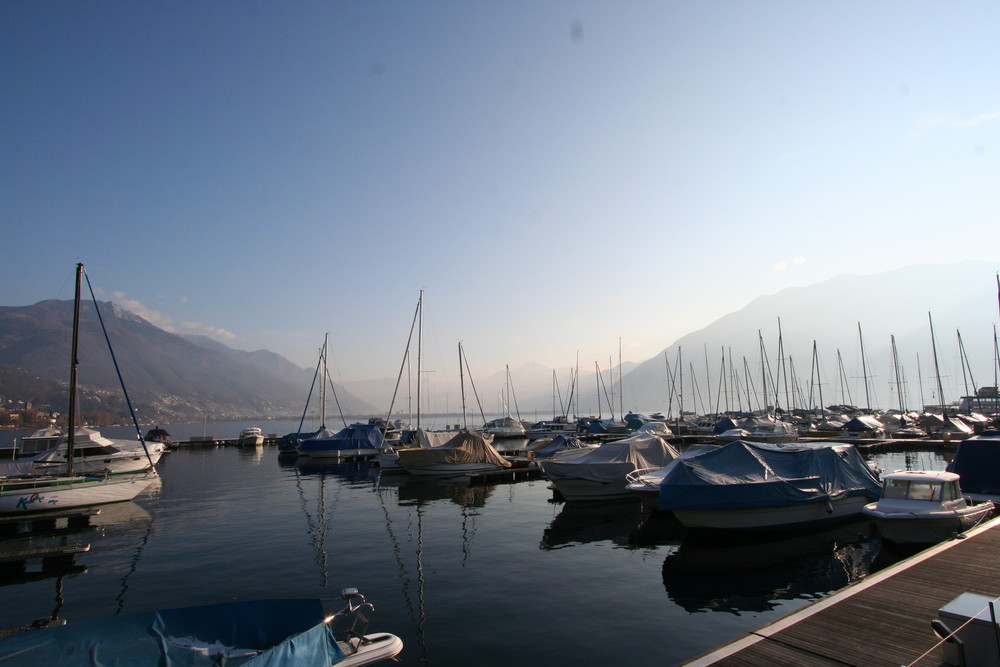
(636,476)
(353,619)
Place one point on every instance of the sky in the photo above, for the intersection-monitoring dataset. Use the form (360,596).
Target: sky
(562,180)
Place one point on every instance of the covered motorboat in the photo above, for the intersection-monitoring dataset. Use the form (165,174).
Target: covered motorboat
(924,507)
(977,463)
(645,484)
(601,474)
(352,442)
(466,452)
(755,486)
(263,633)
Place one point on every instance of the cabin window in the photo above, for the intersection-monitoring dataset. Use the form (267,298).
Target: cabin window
(950,492)
(907,490)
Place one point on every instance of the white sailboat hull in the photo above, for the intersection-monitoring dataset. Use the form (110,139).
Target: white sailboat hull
(45,494)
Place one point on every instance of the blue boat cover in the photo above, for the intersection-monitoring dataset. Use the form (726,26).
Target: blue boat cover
(754,475)
(251,633)
(355,436)
(557,444)
(977,462)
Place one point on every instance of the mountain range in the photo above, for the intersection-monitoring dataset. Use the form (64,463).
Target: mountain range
(168,377)
(834,338)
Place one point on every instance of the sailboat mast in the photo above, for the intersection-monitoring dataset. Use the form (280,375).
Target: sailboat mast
(621,380)
(326,379)
(937,370)
(74,362)
(899,385)
(864,370)
(461,377)
(420,348)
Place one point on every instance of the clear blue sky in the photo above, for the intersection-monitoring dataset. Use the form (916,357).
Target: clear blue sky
(556,175)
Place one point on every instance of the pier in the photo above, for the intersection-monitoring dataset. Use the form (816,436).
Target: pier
(885,619)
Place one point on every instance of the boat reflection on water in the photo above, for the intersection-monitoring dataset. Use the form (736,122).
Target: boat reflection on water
(357,473)
(422,490)
(583,523)
(753,573)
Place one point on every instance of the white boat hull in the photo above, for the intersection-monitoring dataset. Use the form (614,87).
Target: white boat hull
(119,463)
(23,495)
(769,518)
(376,648)
(926,527)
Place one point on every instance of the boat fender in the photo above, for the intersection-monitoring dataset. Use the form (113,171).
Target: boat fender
(829,507)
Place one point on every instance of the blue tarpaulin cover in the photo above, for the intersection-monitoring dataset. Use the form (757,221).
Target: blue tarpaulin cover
(251,633)
(752,475)
(557,444)
(355,436)
(977,462)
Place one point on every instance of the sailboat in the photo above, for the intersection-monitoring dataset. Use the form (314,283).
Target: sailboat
(23,490)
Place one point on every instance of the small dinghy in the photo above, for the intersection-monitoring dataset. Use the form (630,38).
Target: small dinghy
(924,507)
(261,633)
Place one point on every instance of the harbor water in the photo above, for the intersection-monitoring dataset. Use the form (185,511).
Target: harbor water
(464,574)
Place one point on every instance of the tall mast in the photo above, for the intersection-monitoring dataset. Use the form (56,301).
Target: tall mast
(864,369)
(420,348)
(461,377)
(326,378)
(621,382)
(74,362)
(899,385)
(937,370)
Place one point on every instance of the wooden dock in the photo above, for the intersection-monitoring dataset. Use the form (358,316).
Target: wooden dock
(14,561)
(884,619)
(506,475)
(46,522)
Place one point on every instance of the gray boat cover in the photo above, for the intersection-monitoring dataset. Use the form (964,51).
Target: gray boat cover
(464,447)
(612,461)
(753,475)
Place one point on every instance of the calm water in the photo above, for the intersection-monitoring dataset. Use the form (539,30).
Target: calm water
(485,574)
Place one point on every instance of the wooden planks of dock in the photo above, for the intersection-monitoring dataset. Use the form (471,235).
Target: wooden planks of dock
(884,619)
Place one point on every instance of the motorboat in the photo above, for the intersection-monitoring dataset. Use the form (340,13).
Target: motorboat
(924,507)
(93,453)
(504,427)
(601,473)
(766,486)
(251,437)
(466,452)
(356,441)
(265,633)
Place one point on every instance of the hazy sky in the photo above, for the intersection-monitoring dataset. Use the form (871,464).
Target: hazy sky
(556,175)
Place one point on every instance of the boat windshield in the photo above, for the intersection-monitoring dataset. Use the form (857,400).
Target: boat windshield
(905,489)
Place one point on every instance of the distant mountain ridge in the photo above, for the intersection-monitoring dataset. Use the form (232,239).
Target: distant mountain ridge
(841,315)
(168,377)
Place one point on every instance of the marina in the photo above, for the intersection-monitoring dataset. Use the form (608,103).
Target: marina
(448,563)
